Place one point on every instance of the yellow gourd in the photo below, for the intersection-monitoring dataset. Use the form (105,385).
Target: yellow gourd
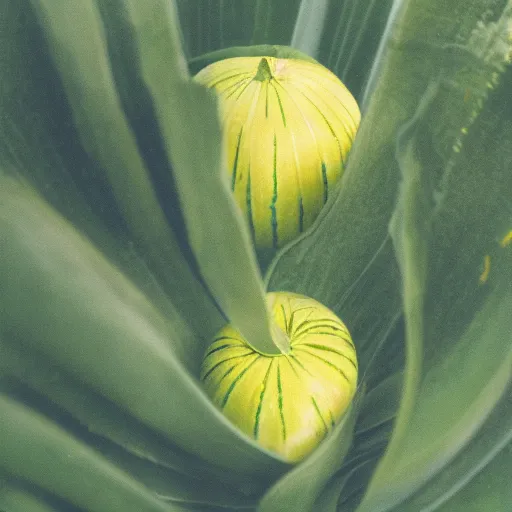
(289,125)
(287,402)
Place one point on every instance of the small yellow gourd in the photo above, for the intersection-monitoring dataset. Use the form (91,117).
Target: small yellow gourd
(288,402)
(289,125)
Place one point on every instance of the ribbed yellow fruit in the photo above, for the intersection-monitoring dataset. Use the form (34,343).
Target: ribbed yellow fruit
(288,402)
(289,125)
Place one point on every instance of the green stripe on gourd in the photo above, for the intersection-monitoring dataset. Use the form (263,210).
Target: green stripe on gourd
(289,125)
(287,402)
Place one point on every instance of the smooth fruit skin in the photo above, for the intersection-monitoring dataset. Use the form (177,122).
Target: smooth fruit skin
(289,402)
(289,125)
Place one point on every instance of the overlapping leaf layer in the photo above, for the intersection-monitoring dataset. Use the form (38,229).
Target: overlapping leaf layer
(122,253)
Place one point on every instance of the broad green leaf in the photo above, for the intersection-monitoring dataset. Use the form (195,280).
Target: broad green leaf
(214,24)
(359,476)
(137,104)
(39,451)
(14,498)
(40,143)
(220,240)
(104,130)
(358,467)
(327,501)
(489,490)
(492,439)
(447,229)
(88,318)
(274,21)
(115,434)
(103,127)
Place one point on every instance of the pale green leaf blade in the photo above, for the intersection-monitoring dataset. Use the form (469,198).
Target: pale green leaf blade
(350,39)
(217,233)
(348,254)
(41,452)
(74,298)
(14,498)
(492,439)
(450,226)
(429,445)
(381,403)
(83,64)
(489,490)
(214,24)
(327,501)
(309,27)
(117,435)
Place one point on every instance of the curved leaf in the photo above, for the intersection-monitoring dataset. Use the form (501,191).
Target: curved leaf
(45,455)
(103,127)
(14,498)
(351,38)
(490,490)
(489,444)
(220,240)
(119,437)
(459,356)
(88,318)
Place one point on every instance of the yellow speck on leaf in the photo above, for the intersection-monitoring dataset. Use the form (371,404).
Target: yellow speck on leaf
(506,239)
(487,268)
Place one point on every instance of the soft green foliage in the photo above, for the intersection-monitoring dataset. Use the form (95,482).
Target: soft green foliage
(122,253)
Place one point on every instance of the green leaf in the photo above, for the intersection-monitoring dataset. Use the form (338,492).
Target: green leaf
(74,298)
(449,222)
(327,501)
(309,26)
(348,252)
(40,143)
(117,435)
(220,240)
(358,478)
(489,490)
(215,24)
(350,39)
(103,127)
(492,442)
(381,403)
(14,498)
(274,21)
(39,451)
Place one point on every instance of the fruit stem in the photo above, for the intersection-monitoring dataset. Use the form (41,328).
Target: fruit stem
(264,72)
